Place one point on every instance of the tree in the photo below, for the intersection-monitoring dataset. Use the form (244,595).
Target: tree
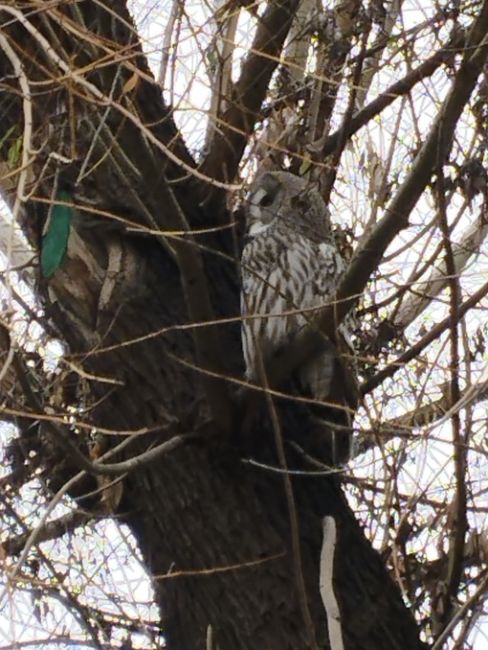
(144,296)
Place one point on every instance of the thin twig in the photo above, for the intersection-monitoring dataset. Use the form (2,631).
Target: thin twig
(422,343)
(458,616)
(26,146)
(183,573)
(292,511)
(239,120)
(368,256)
(459,524)
(78,79)
(168,33)
(197,296)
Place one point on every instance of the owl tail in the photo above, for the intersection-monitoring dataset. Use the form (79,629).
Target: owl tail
(328,379)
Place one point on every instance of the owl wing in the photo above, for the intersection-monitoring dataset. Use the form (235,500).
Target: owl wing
(331,376)
(326,268)
(331,266)
(276,286)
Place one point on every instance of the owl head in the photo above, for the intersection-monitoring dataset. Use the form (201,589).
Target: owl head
(289,200)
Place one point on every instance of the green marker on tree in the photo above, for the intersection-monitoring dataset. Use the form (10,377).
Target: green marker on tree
(55,239)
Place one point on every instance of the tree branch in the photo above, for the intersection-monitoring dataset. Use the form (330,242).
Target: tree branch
(469,244)
(238,121)
(420,416)
(397,89)
(422,343)
(368,257)
(459,523)
(372,64)
(50,530)
(220,70)
(460,613)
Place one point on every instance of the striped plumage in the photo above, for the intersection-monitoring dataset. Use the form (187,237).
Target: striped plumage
(290,265)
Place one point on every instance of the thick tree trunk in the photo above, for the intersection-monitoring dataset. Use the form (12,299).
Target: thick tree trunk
(214,530)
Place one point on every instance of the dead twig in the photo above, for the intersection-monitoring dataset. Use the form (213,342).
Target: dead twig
(458,521)
(249,91)
(422,343)
(368,256)
(327,556)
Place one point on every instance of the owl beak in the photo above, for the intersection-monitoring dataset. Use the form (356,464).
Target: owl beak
(259,196)
(258,227)
(255,209)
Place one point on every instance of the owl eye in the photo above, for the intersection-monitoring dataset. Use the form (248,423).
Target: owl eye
(262,198)
(266,201)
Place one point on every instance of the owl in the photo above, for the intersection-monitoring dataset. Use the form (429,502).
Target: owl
(291,266)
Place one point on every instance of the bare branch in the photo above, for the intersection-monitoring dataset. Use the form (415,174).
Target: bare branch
(372,63)
(343,129)
(469,244)
(298,41)
(341,22)
(367,258)
(459,523)
(422,343)
(124,467)
(51,530)
(460,613)
(420,416)
(168,33)
(221,67)
(397,89)
(438,143)
(238,121)
(327,556)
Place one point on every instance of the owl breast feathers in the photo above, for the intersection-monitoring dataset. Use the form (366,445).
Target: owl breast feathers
(290,266)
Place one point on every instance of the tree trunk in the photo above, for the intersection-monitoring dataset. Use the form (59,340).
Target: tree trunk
(214,530)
